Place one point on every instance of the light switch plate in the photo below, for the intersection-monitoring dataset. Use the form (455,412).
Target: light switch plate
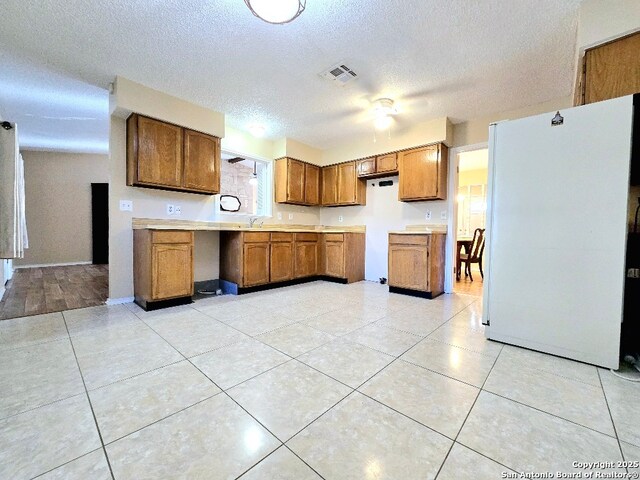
(177,210)
(443,215)
(126,205)
(427,215)
(279,215)
(291,216)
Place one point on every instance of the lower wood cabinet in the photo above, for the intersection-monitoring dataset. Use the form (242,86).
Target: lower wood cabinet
(416,264)
(343,256)
(306,255)
(251,259)
(163,265)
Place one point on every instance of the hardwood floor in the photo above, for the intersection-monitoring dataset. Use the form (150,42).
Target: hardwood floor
(466,286)
(33,291)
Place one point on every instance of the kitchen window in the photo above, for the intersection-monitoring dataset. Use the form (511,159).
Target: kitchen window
(250,181)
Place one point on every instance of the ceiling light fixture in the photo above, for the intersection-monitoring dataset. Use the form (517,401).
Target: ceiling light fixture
(383,109)
(257,130)
(276,12)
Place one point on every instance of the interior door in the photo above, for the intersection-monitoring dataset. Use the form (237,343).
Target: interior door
(100,223)
(556,231)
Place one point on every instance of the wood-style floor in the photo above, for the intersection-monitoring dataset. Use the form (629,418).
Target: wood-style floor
(466,286)
(33,291)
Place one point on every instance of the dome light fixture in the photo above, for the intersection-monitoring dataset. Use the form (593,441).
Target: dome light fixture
(277,12)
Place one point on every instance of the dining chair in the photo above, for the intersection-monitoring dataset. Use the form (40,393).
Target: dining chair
(475,253)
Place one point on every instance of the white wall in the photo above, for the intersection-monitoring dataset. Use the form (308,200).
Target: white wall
(58,205)
(604,20)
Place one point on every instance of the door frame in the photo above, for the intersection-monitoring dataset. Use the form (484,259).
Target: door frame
(452,195)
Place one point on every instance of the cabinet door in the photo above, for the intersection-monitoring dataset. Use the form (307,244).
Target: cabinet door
(387,163)
(201,162)
(367,167)
(408,267)
(256,264)
(419,173)
(171,271)
(330,185)
(281,261)
(295,181)
(311,184)
(612,70)
(306,261)
(334,259)
(159,151)
(347,183)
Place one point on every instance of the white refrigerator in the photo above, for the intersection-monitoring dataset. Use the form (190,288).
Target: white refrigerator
(556,231)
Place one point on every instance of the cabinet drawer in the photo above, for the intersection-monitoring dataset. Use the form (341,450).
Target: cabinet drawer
(306,237)
(256,237)
(281,237)
(334,237)
(171,236)
(397,239)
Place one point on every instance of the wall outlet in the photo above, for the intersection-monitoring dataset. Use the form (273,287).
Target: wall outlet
(170,209)
(177,210)
(340,218)
(427,215)
(126,205)
(279,215)
(291,216)
(443,215)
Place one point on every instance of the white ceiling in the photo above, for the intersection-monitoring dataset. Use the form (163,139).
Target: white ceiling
(456,58)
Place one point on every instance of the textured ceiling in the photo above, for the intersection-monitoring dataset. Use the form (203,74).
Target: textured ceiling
(457,58)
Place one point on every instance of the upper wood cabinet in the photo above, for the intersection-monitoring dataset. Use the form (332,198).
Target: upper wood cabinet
(297,182)
(166,156)
(200,172)
(380,166)
(611,70)
(423,173)
(341,185)
(330,185)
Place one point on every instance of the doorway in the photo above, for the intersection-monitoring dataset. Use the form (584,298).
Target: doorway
(470,219)
(100,223)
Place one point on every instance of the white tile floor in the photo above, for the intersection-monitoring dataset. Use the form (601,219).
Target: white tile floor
(313,381)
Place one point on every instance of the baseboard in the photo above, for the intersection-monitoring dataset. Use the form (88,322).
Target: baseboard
(119,301)
(2,290)
(43,265)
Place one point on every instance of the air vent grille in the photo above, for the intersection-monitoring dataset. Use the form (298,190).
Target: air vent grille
(340,74)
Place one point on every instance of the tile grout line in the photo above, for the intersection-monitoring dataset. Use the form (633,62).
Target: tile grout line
(613,423)
(455,440)
(93,413)
(99,449)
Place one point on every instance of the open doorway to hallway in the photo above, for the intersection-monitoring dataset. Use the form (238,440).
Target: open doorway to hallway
(471,201)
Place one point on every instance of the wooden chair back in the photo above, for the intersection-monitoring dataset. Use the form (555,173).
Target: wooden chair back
(477,245)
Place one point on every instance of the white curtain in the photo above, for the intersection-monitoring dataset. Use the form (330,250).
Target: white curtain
(13,224)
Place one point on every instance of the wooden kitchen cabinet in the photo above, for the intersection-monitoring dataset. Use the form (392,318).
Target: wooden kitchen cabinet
(256,264)
(306,255)
(201,171)
(343,256)
(281,268)
(341,186)
(416,264)
(297,182)
(380,166)
(611,70)
(166,156)
(162,266)
(423,173)
(330,185)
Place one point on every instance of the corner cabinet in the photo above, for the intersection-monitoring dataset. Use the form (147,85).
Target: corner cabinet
(169,157)
(162,266)
(416,264)
(297,182)
(341,185)
(423,173)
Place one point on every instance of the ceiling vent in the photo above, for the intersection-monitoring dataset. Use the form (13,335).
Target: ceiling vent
(340,74)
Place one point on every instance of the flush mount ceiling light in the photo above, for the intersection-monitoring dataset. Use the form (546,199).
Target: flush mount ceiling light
(276,11)
(257,130)
(383,109)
